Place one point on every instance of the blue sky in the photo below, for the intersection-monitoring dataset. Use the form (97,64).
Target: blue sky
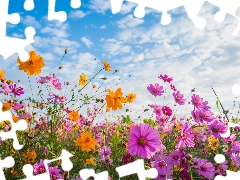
(141,47)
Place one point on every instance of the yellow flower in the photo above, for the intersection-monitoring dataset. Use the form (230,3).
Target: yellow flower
(177,168)
(86,142)
(29,157)
(90,161)
(131,97)
(33,65)
(73,115)
(83,80)
(2,74)
(162,136)
(178,127)
(114,100)
(106,66)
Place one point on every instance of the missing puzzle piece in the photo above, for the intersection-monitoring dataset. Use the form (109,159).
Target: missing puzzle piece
(66,166)
(5,163)
(19,126)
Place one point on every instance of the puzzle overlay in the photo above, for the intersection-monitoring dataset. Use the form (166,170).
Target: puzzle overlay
(11,45)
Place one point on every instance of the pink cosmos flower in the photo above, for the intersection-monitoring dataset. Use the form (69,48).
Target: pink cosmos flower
(158,110)
(105,153)
(167,110)
(43,80)
(55,173)
(165,78)
(175,157)
(56,83)
(5,88)
(179,98)
(155,90)
(16,91)
(186,135)
(217,128)
(196,101)
(206,169)
(39,168)
(143,141)
(205,115)
(127,158)
(56,98)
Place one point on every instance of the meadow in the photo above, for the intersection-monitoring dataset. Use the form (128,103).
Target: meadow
(178,147)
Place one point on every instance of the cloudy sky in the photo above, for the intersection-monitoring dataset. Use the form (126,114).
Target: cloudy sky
(142,48)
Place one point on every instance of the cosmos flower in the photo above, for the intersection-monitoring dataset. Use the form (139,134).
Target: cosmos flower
(2,74)
(131,97)
(86,142)
(155,90)
(39,168)
(83,79)
(165,78)
(33,65)
(143,141)
(179,98)
(16,91)
(206,169)
(107,67)
(55,173)
(127,158)
(115,100)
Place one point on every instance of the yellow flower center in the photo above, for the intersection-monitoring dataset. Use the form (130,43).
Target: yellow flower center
(142,141)
(184,135)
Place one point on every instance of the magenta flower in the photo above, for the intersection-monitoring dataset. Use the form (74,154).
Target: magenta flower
(5,88)
(204,106)
(217,128)
(206,169)
(158,110)
(204,115)
(175,157)
(196,101)
(143,141)
(39,168)
(55,173)
(165,78)
(127,158)
(184,175)
(221,169)
(173,87)
(160,165)
(167,110)
(56,98)
(179,98)
(105,153)
(56,83)
(187,135)
(43,80)
(16,91)
(155,90)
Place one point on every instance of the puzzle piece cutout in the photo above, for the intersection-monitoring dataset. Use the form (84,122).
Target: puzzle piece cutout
(20,126)
(5,163)
(66,166)
(192,9)
(61,15)
(11,45)
(219,158)
(87,173)
(137,167)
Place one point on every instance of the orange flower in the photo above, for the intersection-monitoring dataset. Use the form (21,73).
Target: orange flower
(2,74)
(93,85)
(6,107)
(83,79)
(86,142)
(107,109)
(15,118)
(29,157)
(106,66)
(73,115)
(33,65)
(131,97)
(90,161)
(114,100)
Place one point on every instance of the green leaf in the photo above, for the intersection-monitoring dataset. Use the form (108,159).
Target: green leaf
(115,139)
(218,101)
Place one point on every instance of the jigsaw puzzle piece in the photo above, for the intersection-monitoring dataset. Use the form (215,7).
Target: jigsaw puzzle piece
(116,6)
(137,167)
(53,15)
(87,173)
(75,4)
(66,166)
(20,126)
(28,5)
(5,163)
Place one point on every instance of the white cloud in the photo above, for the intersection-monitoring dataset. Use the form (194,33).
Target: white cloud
(127,7)
(103,27)
(30,21)
(77,14)
(129,21)
(87,42)
(100,6)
